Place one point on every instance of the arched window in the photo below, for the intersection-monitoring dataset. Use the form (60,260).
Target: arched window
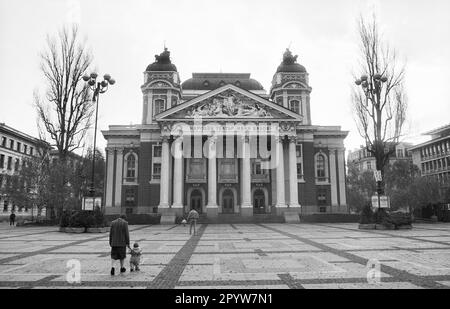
(131,167)
(321,167)
(295,106)
(158,106)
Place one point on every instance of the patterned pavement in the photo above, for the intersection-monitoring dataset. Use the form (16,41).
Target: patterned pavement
(232,256)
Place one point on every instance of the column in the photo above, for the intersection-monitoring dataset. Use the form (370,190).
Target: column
(109,178)
(281,203)
(178,173)
(119,174)
(333,179)
(341,168)
(246,205)
(164,184)
(212,208)
(293,179)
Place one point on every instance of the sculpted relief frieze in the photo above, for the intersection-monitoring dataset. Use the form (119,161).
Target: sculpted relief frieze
(229,104)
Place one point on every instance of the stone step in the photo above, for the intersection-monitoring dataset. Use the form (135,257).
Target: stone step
(238,218)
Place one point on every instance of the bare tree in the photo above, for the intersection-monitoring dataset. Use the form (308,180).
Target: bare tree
(65,113)
(380,104)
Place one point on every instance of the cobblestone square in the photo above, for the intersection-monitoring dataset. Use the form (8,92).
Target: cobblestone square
(250,256)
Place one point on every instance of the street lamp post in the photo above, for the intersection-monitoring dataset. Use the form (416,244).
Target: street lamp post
(97,88)
(372,87)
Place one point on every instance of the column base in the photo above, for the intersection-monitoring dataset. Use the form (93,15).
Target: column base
(212,211)
(280,209)
(246,211)
(294,206)
(164,208)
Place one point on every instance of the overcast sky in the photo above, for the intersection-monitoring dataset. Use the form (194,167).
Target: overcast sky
(246,36)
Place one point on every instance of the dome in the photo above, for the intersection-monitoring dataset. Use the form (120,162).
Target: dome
(211,81)
(289,63)
(162,63)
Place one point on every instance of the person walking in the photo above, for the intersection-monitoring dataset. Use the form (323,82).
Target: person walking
(12,218)
(192,219)
(119,240)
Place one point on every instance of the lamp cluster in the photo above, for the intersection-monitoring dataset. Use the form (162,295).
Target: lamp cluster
(364,80)
(101,86)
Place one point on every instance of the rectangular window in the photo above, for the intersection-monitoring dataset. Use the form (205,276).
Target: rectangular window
(16,165)
(11,144)
(156,174)
(19,146)
(158,106)
(298,151)
(3,141)
(2,161)
(25,149)
(299,171)
(369,166)
(321,198)
(9,166)
(399,153)
(157,151)
(130,197)
(31,151)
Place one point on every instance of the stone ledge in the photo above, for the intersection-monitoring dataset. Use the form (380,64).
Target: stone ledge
(382,227)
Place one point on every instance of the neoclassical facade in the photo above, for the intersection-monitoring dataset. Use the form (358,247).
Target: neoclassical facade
(220,144)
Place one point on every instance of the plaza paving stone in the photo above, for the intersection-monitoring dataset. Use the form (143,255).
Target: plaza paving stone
(233,256)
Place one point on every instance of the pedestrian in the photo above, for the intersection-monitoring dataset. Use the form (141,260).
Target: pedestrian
(119,240)
(135,259)
(192,218)
(12,218)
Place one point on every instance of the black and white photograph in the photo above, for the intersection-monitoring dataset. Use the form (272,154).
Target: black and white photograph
(224,150)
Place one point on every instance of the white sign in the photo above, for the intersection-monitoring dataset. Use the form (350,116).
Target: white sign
(377,175)
(88,203)
(384,201)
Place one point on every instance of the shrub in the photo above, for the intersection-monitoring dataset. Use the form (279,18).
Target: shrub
(395,219)
(79,219)
(367,215)
(65,219)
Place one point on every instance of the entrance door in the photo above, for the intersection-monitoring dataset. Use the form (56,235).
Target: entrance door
(196,201)
(259,202)
(227,201)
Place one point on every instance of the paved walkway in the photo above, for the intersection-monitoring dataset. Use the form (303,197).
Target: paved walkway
(232,256)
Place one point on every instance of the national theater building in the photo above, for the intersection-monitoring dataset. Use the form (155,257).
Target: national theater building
(220,144)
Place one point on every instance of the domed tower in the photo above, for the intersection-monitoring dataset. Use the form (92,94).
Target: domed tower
(161,89)
(290,86)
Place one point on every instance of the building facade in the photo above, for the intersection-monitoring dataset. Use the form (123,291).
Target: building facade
(14,147)
(433,157)
(220,144)
(362,160)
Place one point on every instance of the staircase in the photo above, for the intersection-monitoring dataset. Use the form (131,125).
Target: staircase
(238,218)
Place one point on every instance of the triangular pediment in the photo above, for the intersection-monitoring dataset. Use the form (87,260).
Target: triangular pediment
(229,102)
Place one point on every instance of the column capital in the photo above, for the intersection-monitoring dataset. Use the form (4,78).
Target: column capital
(165,138)
(279,138)
(292,139)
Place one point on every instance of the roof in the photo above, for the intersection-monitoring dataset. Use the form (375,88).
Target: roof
(289,63)
(162,63)
(7,129)
(439,130)
(211,81)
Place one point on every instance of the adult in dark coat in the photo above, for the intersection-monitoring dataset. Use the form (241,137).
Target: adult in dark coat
(119,240)
(12,218)
(192,218)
